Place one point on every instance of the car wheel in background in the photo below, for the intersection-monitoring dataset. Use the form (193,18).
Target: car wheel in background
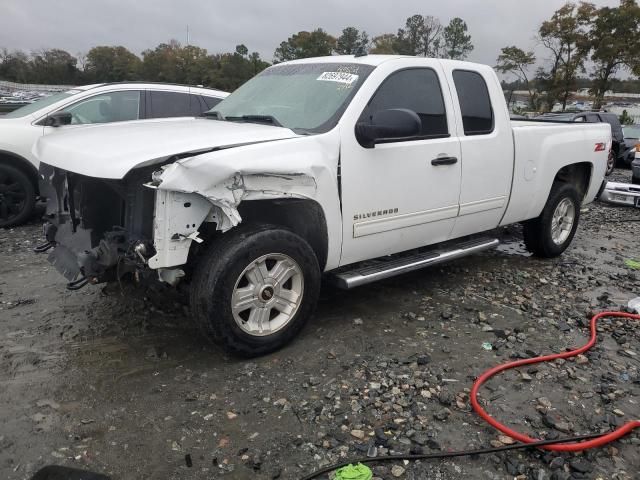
(552,232)
(254,289)
(17,196)
(611,162)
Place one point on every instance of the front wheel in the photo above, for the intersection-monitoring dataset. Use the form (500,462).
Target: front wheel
(552,232)
(17,197)
(254,289)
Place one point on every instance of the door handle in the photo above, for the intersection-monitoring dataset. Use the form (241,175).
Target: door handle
(444,161)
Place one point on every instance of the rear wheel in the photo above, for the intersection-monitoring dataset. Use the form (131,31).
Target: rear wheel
(552,232)
(254,289)
(17,196)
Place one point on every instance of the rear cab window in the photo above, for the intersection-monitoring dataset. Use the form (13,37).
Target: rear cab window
(475,103)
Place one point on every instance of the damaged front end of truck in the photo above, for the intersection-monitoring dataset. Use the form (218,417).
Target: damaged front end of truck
(143,226)
(97,230)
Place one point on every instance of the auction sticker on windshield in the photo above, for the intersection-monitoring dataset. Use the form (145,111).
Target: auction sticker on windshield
(340,77)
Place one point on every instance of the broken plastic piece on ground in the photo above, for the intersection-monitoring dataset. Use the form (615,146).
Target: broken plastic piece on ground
(354,472)
(43,247)
(634,305)
(487,346)
(77,284)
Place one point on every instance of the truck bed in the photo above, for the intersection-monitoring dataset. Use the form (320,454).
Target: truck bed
(540,148)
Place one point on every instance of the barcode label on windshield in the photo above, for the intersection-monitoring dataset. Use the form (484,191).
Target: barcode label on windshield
(340,77)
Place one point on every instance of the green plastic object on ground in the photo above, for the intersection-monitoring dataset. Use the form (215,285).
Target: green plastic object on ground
(632,264)
(354,472)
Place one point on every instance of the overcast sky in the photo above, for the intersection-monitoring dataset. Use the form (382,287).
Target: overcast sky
(218,26)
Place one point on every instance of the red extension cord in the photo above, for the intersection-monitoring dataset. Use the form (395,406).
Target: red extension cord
(567,447)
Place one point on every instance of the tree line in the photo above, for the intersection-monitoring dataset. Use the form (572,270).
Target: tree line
(189,64)
(578,39)
(421,35)
(168,62)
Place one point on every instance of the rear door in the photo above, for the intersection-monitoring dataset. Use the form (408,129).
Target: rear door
(486,143)
(397,196)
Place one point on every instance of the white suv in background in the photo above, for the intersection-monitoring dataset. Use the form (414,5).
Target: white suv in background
(90,104)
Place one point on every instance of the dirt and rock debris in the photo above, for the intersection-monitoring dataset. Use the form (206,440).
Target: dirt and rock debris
(126,385)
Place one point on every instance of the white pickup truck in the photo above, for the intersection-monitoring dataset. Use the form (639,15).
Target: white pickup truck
(356,167)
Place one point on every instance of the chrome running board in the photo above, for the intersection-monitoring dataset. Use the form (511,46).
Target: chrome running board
(362,273)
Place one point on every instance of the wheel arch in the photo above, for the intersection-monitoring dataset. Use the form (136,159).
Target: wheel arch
(577,174)
(304,217)
(22,164)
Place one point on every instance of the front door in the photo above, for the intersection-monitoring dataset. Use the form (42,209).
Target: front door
(402,194)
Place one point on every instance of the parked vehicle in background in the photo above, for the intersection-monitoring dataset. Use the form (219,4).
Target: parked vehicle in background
(359,167)
(625,194)
(90,104)
(631,141)
(619,151)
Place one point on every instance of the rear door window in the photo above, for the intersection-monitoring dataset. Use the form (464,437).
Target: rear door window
(172,104)
(475,103)
(593,118)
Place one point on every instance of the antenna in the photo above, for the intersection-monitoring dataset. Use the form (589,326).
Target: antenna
(361,51)
(187,62)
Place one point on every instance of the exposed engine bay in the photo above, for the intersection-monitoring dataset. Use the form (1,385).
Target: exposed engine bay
(97,224)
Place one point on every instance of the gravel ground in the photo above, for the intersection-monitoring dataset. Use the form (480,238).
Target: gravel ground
(126,385)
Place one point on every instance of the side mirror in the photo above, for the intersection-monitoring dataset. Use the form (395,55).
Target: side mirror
(388,125)
(58,119)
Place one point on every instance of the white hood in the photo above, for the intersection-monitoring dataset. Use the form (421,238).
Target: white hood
(112,150)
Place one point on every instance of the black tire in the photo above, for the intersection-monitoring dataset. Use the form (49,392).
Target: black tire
(538,231)
(611,163)
(17,197)
(222,264)
(635,180)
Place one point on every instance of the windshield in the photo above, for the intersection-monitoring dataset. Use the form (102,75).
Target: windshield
(306,97)
(632,131)
(39,104)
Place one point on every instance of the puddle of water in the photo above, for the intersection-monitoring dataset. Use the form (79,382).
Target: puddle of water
(513,247)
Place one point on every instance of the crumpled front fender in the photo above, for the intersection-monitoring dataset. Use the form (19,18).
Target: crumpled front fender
(214,184)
